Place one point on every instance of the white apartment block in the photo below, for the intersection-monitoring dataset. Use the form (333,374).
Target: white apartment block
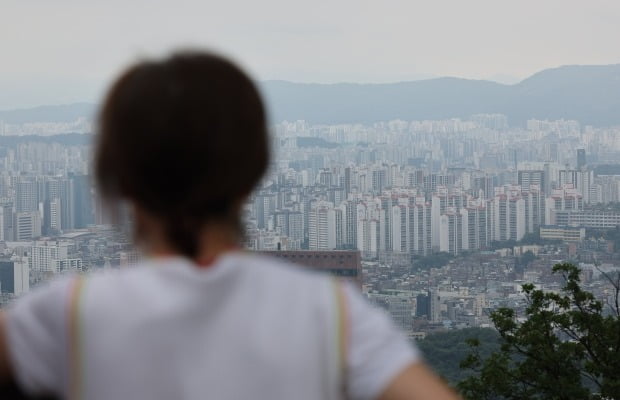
(420,228)
(585,218)
(53,256)
(451,232)
(509,214)
(27,225)
(325,226)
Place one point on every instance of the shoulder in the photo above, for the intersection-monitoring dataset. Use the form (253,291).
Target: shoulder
(270,264)
(280,285)
(43,310)
(269,270)
(51,294)
(36,335)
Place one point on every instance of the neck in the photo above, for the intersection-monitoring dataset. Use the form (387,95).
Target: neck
(215,240)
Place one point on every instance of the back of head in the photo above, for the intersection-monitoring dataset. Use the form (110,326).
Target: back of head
(185,140)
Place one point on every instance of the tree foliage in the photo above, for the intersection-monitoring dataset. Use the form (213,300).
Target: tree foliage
(532,238)
(567,347)
(613,235)
(525,259)
(445,350)
(434,260)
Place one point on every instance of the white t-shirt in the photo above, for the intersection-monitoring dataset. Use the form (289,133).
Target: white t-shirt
(247,327)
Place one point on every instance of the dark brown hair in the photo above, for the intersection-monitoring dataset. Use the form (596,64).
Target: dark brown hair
(184,139)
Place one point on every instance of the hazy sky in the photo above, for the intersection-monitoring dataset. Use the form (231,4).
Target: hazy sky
(62,51)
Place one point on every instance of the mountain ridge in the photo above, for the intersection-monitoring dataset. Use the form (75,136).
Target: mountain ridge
(49,113)
(590,94)
(587,93)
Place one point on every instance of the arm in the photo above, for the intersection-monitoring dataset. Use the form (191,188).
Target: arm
(417,382)
(8,386)
(33,339)
(382,363)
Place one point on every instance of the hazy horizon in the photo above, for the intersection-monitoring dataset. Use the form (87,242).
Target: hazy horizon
(501,79)
(68,51)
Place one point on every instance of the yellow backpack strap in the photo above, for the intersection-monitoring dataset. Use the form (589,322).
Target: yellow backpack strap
(74,341)
(343,334)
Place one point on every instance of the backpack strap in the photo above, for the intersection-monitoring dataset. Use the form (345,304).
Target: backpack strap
(74,341)
(342,335)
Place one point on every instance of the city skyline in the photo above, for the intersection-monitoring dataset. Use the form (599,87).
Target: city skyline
(439,222)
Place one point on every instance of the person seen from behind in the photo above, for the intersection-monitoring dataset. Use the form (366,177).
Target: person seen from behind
(183,142)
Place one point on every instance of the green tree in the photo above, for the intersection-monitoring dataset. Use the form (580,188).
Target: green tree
(532,238)
(445,350)
(567,347)
(526,258)
(432,261)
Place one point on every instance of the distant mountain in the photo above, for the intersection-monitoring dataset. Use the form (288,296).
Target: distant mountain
(61,113)
(67,139)
(590,94)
